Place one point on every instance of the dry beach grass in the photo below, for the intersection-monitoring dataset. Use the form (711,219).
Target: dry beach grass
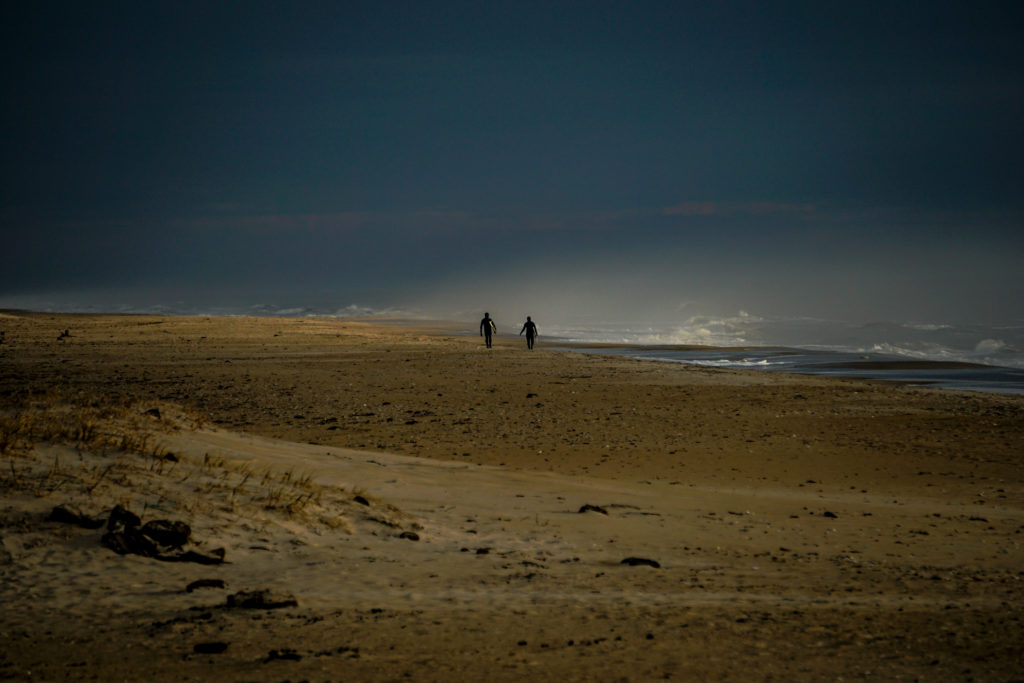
(419,498)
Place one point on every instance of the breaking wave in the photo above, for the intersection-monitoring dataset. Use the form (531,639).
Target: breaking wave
(999,346)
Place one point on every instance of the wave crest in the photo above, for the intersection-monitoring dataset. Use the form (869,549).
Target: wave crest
(990,346)
(923,341)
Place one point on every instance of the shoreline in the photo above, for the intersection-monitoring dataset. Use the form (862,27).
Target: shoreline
(211,364)
(956,375)
(803,527)
(940,374)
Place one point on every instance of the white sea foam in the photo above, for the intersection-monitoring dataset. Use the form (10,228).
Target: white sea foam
(930,352)
(990,346)
(750,363)
(1002,346)
(927,327)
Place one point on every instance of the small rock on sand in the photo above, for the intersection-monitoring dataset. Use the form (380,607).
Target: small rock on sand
(640,561)
(214,648)
(69,514)
(285,653)
(260,599)
(204,583)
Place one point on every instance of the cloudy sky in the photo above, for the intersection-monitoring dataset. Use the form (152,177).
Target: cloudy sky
(849,160)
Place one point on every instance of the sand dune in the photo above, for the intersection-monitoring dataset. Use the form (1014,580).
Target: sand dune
(802,529)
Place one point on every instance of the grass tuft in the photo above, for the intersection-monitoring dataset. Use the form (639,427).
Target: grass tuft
(101,451)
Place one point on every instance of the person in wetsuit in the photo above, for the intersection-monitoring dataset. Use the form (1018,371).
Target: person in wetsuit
(531,332)
(487,328)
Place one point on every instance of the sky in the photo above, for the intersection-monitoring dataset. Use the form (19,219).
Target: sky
(617,160)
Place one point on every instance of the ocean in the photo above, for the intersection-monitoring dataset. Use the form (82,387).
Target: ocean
(963,357)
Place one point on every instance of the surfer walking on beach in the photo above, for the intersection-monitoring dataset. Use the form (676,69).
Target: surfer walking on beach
(531,332)
(487,328)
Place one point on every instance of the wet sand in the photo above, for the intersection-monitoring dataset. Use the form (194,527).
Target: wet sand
(804,528)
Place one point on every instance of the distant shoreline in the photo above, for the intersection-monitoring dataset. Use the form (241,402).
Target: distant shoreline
(943,374)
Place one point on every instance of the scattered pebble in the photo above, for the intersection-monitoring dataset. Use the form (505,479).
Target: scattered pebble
(212,648)
(204,583)
(260,599)
(640,561)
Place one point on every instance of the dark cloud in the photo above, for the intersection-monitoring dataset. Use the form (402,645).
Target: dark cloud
(396,147)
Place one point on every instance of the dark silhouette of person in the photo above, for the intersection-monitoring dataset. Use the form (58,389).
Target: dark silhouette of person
(487,328)
(531,332)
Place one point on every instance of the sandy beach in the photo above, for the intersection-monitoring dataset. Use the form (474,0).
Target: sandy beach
(372,500)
